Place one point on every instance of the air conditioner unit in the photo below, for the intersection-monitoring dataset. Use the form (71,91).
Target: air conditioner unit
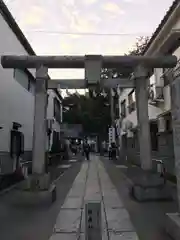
(161,124)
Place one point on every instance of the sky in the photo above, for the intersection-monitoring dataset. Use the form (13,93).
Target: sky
(79,27)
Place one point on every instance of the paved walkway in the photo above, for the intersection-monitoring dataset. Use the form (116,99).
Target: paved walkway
(92,184)
(148,218)
(20,222)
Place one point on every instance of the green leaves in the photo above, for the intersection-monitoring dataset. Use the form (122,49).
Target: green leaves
(92,112)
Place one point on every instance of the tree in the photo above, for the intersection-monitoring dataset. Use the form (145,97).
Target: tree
(93,112)
(138,50)
(140,46)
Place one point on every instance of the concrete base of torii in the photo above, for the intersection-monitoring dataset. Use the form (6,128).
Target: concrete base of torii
(173,225)
(36,190)
(148,186)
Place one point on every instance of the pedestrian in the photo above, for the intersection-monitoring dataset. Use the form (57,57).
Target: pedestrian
(113,151)
(86,150)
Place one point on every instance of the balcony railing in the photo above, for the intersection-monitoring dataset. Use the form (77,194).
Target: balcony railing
(170,74)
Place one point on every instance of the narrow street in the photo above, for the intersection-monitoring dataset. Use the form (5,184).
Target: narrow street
(85,182)
(96,79)
(20,222)
(148,218)
(93,184)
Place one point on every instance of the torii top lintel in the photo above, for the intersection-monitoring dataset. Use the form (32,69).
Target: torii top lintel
(120,62)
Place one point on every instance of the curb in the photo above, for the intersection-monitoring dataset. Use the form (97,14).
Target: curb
(57,179)
(6,190)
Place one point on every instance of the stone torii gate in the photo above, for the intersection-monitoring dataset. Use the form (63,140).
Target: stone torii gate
(139,65)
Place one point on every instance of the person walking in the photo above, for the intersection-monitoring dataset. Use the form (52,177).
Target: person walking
(86,150)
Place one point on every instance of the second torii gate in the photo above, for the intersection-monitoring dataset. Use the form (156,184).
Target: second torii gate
(139,65)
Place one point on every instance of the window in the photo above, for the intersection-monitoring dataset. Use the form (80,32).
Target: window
(57,110)
(123,108)
(25,79)
(131,101)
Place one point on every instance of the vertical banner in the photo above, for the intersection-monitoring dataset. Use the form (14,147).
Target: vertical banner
(112,137)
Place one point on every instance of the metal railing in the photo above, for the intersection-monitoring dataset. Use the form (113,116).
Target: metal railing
(161,169)
(171,73)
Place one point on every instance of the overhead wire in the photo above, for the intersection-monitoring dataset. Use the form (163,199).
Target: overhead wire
(87,33)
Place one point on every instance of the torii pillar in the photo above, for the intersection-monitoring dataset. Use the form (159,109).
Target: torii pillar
(40,127)
(141,90)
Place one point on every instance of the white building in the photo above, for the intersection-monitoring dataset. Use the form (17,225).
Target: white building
(165,40)
(17,93)
(54,119)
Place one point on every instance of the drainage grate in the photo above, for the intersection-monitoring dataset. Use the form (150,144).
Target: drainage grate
(93,221)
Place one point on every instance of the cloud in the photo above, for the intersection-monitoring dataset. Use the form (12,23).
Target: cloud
(112,8)
(75,36)
(35,16)
(89,2)
(68,2)
(79,22)
(82,24)
(136,1)
(65,47)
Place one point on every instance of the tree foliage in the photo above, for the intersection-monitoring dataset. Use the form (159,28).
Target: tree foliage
(140,46)
(93,112)
(137,50)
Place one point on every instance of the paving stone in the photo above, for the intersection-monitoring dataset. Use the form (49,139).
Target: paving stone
(64,166)
(64,236)
(68,220)
(118,220)
(76,192)
(93,197)
(73,160)
(123,236)
(110,193)
(111,202)
(73,202)
(121,166)
(104,236)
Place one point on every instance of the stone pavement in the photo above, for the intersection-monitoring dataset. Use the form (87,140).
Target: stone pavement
(92,184)
(148,218)
(19,222)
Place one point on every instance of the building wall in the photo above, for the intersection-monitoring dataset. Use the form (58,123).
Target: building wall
(152,110)
(165,150)
(50,115)
(16,103)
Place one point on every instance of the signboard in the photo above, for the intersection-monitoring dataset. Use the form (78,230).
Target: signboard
(112,135)
(93,221)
